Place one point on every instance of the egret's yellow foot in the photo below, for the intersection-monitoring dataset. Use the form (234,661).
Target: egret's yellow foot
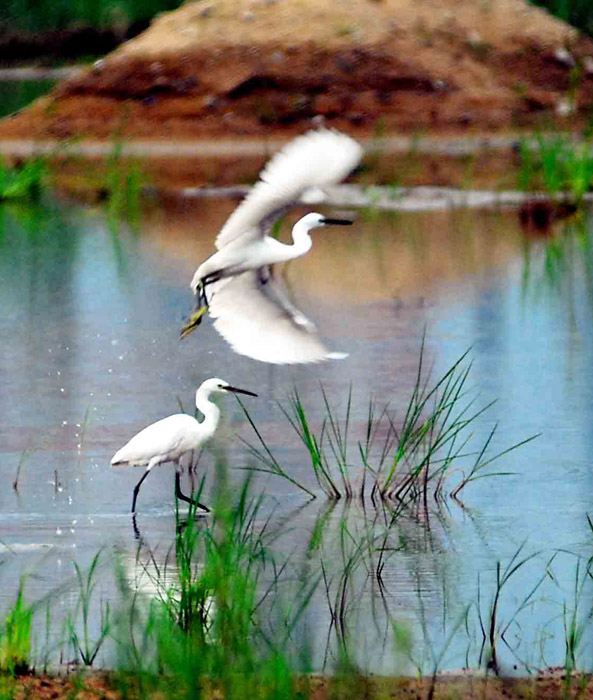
(193,322)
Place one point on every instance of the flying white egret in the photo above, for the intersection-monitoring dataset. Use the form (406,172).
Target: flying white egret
(169,439)
(252,313)
(300,169)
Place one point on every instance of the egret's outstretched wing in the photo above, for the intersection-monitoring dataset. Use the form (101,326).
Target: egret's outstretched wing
(254,316)
(312,161)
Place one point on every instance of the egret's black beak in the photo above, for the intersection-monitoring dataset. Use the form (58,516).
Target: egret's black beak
(239,391)
(336,222)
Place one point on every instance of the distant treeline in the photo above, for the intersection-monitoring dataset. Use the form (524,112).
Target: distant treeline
(579,13)
(38,15)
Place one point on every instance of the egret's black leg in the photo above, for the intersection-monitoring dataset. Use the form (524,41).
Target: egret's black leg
(202,299)
(202,304)
(182,497)
(137,488)
(137,534)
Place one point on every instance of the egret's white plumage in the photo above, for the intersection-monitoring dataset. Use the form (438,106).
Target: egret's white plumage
(305,165)
(302,168)
(252,313)
(169,439)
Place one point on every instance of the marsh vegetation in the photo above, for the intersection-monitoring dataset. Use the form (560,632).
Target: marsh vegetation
(383,571)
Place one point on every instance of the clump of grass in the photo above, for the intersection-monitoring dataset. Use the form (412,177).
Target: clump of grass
(397,461)
(208,629)
(493,629)
(123,183)
(577,615)
(556,165)
(81,642)
(23,181)
(15,636)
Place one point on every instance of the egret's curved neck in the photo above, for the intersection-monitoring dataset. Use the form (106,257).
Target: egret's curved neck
(211,413)
(300,236)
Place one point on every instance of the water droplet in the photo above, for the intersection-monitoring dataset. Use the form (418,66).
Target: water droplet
(58,531)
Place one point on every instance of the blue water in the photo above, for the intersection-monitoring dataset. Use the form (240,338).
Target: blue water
(89,323)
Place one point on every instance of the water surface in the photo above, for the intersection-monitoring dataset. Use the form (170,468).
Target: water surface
(89,323)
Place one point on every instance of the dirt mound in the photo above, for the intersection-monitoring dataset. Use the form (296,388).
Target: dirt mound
(249,67)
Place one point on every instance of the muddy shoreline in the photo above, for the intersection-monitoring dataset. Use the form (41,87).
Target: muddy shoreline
(545,686)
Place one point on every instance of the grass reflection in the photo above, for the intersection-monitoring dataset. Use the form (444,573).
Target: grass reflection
(224,611)
(559,264)
(38,253)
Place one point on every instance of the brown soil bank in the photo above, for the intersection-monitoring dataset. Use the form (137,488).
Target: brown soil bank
(273,67)
(106,686)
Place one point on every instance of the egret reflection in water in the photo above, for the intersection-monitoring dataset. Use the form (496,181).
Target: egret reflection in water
(235,283)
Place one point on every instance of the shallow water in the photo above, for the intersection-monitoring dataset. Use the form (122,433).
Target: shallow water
(90,354)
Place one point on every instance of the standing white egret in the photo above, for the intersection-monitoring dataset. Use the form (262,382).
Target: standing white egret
(169,439)
(300,169)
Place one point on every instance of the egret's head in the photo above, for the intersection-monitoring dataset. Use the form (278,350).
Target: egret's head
(219,386)
(315,220)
